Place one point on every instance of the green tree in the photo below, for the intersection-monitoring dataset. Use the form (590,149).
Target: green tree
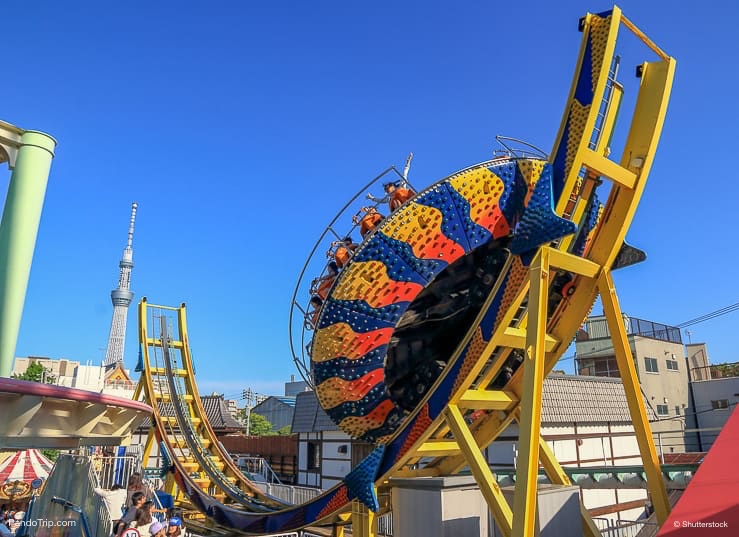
(36,373)
(50,454)
(284,431)
(260,426)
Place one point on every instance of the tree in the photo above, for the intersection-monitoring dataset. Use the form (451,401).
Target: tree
(50,454)
(284,431)
(259,426)
(36,373)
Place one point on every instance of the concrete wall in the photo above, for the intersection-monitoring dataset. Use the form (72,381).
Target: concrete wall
(584,445)
(666,387)
(705,392)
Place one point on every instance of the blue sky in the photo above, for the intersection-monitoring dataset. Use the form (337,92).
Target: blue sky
(241,129)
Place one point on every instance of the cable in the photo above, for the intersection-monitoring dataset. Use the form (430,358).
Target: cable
(709,316)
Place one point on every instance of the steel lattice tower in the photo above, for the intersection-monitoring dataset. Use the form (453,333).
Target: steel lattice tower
(121,298)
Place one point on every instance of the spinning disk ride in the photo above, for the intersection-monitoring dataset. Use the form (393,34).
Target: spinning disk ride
(439,331)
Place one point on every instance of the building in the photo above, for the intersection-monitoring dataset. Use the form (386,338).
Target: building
(659,359)
(277,410)
(325,452)
(72,374)
(294,387)
(716,394)
(585,420)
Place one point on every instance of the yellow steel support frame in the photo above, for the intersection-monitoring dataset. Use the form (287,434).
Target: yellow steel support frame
(480,469)
(529,425)
(364,522)
(621,348)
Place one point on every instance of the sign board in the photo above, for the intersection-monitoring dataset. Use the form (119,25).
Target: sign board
(36,483)
(131,532)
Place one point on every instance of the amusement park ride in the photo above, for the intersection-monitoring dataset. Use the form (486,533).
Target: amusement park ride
(438,332)
(440,329)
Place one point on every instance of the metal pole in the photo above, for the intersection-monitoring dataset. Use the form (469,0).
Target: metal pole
(18,231)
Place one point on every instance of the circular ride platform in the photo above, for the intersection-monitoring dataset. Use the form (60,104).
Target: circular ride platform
(39,415)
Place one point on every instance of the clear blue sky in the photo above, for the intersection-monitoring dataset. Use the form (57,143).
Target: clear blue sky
(240,128)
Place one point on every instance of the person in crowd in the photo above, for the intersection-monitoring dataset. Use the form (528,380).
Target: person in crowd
(4,529)
(137,500)
(156,529)
(144,517)
(174,527)
(115,500)
(136,484)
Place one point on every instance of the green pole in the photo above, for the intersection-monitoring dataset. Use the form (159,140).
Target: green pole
(18,230)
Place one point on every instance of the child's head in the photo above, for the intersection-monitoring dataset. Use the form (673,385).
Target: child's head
(175,526)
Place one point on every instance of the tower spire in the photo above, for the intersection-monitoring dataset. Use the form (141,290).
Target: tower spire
(121,298)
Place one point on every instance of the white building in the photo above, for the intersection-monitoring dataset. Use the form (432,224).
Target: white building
(585,420)
(72,374)
(715,400)
(325,452)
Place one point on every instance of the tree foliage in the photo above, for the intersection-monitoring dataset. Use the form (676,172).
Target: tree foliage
(284,431)
(36,373)
(260,426)
(50,454)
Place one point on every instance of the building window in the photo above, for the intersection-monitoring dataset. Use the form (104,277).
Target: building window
(314,456)
(719,404)
(651,365)
(677,410)
(662,410)
(672,365)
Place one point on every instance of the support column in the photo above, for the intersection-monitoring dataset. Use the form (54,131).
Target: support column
(364,523)
(529,424)
(18,231)
(621,348)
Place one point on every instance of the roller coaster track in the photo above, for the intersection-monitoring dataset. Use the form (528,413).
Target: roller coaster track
(485,278)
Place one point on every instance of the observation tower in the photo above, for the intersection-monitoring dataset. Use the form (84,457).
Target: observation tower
(121,298)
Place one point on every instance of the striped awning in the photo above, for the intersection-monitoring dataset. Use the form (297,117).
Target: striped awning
(25,465)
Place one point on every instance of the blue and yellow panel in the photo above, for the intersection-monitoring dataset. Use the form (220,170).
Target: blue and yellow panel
(396,262)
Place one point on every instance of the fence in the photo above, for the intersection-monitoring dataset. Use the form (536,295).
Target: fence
(115,469)
(290,493)
(626,528)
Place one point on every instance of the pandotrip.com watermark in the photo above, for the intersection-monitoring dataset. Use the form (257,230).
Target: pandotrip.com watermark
(46,523)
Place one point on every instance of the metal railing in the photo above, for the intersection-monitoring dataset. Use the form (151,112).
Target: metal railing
(290,493)
(625,528)
(111,469)
(257,469)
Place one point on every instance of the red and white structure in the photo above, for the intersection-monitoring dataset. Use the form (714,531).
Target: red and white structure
(26,466)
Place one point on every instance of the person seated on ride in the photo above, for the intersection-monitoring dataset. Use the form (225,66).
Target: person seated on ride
(314,311)
(396,194)
(321,286)
(344,251)
(368,221)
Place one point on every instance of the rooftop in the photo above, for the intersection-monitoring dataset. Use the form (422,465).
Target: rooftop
(566,399)
(597,328)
